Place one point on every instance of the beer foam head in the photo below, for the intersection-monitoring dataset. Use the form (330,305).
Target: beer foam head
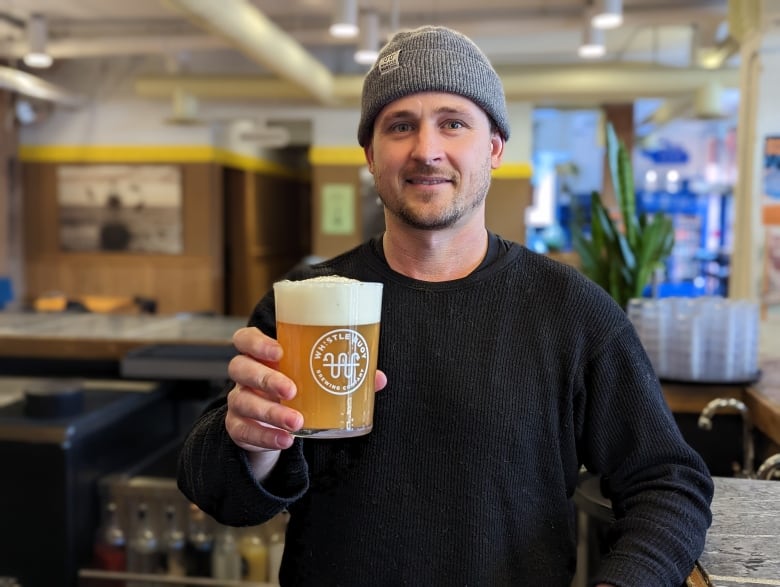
(329,300)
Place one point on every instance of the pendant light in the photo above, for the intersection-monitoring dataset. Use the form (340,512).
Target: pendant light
(344,24)
(608,14)
(368,44)
(37,36)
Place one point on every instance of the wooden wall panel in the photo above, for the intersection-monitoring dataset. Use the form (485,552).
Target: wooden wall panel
(505,207)
(8,146)
(189,282)
(268,232)
(329,245)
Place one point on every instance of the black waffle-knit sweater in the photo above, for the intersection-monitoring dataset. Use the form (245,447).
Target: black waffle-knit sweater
(500,386)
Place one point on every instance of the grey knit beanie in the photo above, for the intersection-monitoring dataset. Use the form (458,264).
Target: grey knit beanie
(431,59)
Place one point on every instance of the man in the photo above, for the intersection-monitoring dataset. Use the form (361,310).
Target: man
(503,373)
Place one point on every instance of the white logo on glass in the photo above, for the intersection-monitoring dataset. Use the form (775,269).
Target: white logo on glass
(339,361)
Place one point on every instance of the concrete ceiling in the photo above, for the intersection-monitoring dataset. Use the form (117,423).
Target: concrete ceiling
(512,32)
(211,44)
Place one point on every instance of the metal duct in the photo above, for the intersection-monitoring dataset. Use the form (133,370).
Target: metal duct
(34,87)
(249,30)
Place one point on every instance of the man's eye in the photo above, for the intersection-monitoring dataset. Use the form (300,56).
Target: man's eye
(401,127)
(454,124)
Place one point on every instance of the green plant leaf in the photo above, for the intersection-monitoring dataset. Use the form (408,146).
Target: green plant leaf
(622,175)
(622,258)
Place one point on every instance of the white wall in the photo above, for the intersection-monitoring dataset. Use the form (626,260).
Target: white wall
(114,115)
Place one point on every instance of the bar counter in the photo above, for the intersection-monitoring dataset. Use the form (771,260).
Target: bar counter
(762,397)
(741,547)
(68,336)
(106,336)
(743,543)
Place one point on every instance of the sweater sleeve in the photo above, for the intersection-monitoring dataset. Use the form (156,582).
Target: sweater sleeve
(660,487)
(215,474)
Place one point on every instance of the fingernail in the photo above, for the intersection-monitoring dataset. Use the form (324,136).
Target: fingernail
(295,422)
(275,353)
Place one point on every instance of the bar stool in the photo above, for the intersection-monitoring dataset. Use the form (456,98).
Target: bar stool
(594,514)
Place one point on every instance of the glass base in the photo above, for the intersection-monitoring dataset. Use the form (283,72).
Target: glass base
(329,433)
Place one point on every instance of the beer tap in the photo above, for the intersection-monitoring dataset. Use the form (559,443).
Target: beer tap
(770,468)
(748,450)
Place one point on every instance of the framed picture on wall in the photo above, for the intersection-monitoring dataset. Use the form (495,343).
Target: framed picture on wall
(771,292)
(120,208)
(771,218)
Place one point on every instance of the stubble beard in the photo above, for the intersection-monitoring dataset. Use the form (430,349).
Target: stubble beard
(458,208)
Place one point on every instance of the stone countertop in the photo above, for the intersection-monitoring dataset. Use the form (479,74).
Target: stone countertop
(742,546)
(99,336)
(743,543)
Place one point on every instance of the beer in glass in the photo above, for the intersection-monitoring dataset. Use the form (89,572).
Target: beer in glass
(329,330)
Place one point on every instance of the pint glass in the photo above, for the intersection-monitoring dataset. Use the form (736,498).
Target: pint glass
(329,330)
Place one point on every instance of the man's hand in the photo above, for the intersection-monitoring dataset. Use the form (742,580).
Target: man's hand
(256,420)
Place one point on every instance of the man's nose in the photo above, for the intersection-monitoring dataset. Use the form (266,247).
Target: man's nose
(428,144)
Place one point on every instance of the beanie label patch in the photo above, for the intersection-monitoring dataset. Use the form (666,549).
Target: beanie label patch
(389,63)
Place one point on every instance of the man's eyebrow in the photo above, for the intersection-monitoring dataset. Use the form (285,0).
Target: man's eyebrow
(451,110)
(404,113)
(392,114)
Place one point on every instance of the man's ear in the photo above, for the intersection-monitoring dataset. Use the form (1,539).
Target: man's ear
(496,150)
(368,151)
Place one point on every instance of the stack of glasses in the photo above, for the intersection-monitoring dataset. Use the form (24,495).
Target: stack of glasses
(707,339)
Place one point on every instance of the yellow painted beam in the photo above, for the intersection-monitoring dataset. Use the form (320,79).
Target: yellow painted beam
(514,171)
(337,155)
(152,154)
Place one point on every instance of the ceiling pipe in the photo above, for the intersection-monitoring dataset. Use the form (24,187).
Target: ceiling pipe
(667,111)
(75,48)
(34,87)
(263,41)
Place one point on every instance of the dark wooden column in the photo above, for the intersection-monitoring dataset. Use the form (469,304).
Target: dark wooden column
(622,118)
(10,197)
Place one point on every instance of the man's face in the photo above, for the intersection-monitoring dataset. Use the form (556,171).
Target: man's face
(431,156)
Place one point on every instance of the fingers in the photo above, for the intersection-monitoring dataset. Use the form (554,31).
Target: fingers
(251,373)
(250,404)
(251,341)
(255,422)
(380,380)
(255,419)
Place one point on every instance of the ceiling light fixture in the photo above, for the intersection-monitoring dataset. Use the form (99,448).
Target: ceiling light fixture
(592,46)
(368,44)
(344,25)
(37,36)
(608,14)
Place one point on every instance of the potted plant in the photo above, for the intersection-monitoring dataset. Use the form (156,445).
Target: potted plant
(622,256)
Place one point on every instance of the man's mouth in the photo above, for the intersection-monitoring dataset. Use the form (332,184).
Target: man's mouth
(427,180)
